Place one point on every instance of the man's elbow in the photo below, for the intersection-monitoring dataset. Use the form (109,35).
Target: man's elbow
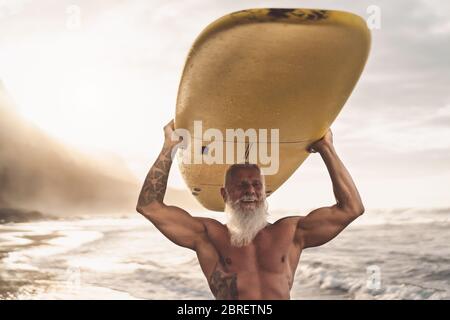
(148,209)
(354,211)
(361,211)
(139,209)
(358,211)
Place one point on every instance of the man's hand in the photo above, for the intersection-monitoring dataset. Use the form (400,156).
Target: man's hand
(170,137)
(318,146)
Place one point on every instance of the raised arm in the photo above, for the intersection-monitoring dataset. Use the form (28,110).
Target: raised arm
(323,224)
(175,223)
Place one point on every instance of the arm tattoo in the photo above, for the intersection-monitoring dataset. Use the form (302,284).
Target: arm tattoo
(155,183)
(223,285)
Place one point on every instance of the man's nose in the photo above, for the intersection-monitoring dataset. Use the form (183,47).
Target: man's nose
(250,190)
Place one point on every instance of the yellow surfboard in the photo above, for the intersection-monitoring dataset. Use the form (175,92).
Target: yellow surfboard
(290,70)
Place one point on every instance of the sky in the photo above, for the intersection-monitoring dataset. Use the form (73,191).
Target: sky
(102,76)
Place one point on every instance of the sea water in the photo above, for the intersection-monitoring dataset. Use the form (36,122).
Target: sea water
(385,254)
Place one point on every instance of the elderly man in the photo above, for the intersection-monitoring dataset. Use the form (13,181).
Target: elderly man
(249,258)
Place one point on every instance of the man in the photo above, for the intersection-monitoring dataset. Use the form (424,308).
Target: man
(249,258)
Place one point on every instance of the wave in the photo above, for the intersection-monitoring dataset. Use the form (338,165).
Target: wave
(353,286)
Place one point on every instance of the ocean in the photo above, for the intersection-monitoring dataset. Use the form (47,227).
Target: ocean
(385,254)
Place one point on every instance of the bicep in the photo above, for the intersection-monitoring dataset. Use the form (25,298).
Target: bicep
(176,224)
(322,225)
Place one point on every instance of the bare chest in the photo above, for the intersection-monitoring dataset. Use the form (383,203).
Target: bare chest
(271,252)
(266,266)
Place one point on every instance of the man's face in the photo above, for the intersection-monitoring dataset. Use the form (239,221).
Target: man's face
(245,205)
(246,189)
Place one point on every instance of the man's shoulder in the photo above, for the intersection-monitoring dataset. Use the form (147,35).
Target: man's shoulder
(210,222)
(215,230)
(288,220)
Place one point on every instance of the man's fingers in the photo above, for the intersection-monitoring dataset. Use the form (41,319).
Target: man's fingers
(169,126)
(311,150)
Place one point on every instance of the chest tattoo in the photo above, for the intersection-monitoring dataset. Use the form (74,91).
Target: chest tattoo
(224,285)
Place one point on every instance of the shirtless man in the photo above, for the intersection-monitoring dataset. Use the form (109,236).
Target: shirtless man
(249,258)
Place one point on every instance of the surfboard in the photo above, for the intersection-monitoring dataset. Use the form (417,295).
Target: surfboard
(290,70)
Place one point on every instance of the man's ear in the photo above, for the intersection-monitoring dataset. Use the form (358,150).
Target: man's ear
(223,193)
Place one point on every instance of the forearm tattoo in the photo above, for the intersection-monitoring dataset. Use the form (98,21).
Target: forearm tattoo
(155,183)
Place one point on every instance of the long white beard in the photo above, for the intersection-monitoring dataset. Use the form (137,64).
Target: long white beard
(245,225)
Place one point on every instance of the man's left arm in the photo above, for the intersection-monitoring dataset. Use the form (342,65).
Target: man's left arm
(323,224)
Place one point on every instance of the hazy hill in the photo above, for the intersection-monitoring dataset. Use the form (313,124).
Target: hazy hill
(37,172)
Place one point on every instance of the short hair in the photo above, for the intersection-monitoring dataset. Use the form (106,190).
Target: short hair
(238,166)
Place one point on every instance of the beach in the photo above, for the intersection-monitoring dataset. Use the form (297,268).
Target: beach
(385,254)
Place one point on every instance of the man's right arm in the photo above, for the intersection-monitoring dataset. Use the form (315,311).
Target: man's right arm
(175,223)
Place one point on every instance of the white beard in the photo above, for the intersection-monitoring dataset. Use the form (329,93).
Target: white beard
(245,225)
